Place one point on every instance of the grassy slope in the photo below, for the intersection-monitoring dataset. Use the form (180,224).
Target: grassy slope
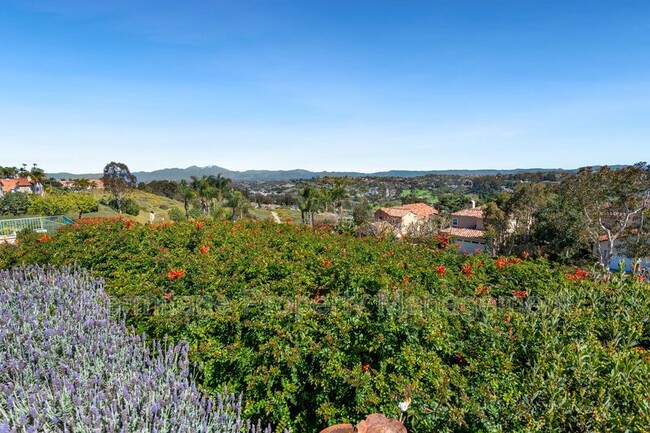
(147,202)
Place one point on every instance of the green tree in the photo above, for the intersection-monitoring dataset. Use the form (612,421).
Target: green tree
(187,194)
(310,200)
(15,203)
(83,203)
(610,201)
(238,203)
(50,204)
(118,181)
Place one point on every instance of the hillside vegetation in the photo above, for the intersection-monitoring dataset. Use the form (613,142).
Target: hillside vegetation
(317,328)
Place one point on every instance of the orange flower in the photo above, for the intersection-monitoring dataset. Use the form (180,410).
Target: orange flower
(365,367)
(199,224)
(175,274)
(44,238)
(168,296)
(326,263)
(441,270)
(578,275)
(467,269)
(501,263)
(525,255)
(128,224)
(519,293)
(204,249)
(406,279)
(482,289)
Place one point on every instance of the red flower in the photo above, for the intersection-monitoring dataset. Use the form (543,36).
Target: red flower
(443,240)
(525,255)
(406,279)
(578,275)
(365,367)
(467,269)
(175,274)
(326,263)
(501,263)
(204,249)
(441,270)
(44,238)
(199,224)
(168,296)
(128,224)
(519,293)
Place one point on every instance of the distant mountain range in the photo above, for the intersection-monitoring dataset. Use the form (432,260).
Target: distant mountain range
(275,175)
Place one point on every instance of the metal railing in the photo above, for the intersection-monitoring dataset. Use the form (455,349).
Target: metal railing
(9,228)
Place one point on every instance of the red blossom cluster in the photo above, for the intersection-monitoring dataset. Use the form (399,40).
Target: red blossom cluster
(168,296)
(326,263)
(44,238)
(441,270)
(519,293)
(204,249)
(443,240)
(175,274)
(467,269)
(578,275)
(128,224)
(199,224)
(502,262)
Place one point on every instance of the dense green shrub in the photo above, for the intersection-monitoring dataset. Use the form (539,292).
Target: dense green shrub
(318,328)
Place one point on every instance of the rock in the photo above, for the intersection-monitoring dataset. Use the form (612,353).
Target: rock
(340,428)
(378,423)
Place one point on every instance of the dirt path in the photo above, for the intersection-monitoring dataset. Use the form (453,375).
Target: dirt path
(276,217)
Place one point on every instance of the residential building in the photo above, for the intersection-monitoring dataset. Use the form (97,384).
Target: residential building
(401,218)
(467,229)
(24,185)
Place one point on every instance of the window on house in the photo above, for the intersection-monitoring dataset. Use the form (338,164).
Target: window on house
(454,222)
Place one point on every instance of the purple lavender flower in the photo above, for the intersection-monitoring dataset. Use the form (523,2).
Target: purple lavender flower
(66,365)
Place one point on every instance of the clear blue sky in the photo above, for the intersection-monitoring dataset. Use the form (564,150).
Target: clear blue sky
(324,84)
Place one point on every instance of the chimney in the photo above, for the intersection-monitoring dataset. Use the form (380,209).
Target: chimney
(473,204)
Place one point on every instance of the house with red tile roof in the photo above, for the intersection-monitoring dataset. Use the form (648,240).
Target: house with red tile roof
(24,185)
(405,216)
(467,229)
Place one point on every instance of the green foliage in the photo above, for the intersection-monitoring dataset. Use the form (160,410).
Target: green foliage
(14,203)
(319,328)
(175,214)
(129,206)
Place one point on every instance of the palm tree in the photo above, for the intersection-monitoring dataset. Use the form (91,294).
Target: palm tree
(187,194)
(338,194)
(238,203)
(309,202)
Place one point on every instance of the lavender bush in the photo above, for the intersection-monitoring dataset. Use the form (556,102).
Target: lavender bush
(67,366)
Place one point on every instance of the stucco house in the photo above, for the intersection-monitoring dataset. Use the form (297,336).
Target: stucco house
(401,218)
(467,229)
(24,185)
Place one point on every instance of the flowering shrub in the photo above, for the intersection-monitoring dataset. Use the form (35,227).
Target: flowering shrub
(66,365)
(317,328)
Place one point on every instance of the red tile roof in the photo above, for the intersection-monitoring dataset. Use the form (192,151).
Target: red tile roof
(11,184)
(395,212)
(471,212)
(422,210)
(464,233)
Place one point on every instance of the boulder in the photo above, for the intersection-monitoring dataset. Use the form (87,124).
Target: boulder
(378,423)
(340,428)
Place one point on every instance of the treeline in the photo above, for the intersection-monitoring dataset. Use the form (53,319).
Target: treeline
(595,212)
